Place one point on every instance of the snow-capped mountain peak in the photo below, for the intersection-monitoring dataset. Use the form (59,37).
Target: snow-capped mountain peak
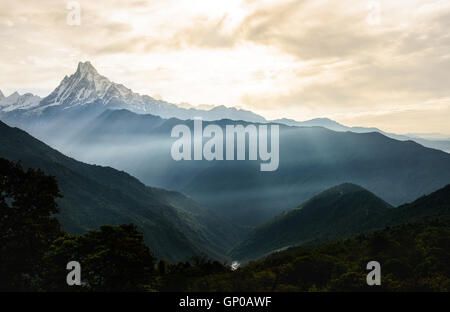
(99,83)
(86,68)
(86,86)
(17,101)
(1,95)
(14,96)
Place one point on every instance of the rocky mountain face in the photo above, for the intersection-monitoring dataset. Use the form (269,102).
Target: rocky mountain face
(87,87)
(18,102)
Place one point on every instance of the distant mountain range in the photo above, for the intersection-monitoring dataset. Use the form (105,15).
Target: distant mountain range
(97,121)
(436,141)
(234,211)
(175,227)
(341,211)
(18,102)
(86,87)
(311,159)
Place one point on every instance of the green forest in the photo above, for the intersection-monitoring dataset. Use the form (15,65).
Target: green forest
(34,252)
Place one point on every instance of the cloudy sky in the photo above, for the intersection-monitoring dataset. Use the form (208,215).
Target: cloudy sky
(362,62)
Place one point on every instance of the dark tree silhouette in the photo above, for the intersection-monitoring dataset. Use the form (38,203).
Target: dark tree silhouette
(113,258)
(27,225)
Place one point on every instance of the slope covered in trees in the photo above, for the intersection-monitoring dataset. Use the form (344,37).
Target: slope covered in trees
(413,257)
(175,226)
(336,213)
(311,159)
(34,253)
(339,211)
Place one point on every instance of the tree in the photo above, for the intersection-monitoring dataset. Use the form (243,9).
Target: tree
(27,226)
(113,258)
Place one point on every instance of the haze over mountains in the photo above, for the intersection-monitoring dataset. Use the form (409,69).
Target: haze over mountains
(338,212)
(311,160)
(97,121)
(87,87)
(94,120)
(435,141)
(175,227)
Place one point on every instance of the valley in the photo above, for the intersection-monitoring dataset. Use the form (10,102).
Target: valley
(230,210)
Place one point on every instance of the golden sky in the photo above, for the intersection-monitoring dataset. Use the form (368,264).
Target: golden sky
(362,62)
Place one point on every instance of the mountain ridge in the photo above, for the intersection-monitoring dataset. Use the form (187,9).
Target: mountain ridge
(285,230)
(311,160)
(338,211)
(87,86)
(175,227)
(16,101)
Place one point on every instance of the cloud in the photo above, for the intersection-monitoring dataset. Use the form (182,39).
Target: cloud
(297,59)
(308,30)
(206,33)
(353,67)
(430,117)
